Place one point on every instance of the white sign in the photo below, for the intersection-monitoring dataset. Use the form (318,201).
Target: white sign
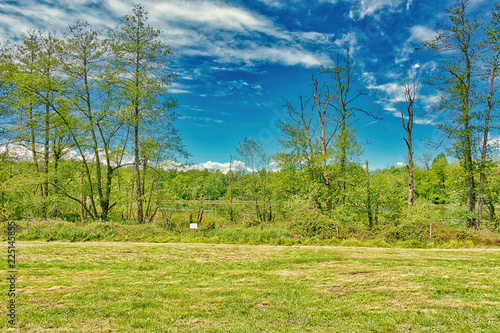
(193,225)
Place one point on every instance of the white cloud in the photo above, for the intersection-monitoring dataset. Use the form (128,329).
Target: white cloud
(362,8)
(176,88)
(424,121)
(227,33)
(19,150)
(347,40)
(400,164)
(232,34)
(395,90)
(209,165)
(201,13)
(420,33)
(494,142)
(403,53)
(391,94)
(179,91)
(250,55)
(273,3)
(368,78)
(202,119)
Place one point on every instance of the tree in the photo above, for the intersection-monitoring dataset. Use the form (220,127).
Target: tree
(459,47)
(20,105)
(407,122)
(33,96)
(492,43)
(344,101)
(141,59)
(319,132)
(309,133)
(438,168)
(96,120)
(261,166)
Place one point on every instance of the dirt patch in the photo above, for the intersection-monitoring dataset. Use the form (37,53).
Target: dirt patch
(289,273)
(263,305)
(199,322)
(356,273)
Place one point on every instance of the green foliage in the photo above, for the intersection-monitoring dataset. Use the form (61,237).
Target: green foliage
(311,223)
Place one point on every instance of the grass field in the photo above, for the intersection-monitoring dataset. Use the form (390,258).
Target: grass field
(144,287)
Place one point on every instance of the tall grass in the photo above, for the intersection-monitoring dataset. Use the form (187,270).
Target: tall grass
(411,233)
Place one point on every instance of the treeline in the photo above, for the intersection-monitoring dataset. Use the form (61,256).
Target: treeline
(264,197)
(91,113)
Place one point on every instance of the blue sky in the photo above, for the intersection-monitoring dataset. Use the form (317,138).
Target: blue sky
(237,60)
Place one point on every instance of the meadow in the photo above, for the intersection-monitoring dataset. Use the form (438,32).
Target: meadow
(187,287)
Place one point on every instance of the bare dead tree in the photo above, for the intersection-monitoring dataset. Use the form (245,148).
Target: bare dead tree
(407,115)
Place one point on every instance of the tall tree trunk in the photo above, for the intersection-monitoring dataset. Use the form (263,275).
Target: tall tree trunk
(34,153)
(411,192)
(46,156)
(407,121)
(99,180)
(83,199)
(468,164)
(137,172)
(368,197)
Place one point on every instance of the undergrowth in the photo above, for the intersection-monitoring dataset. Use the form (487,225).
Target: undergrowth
(406,234)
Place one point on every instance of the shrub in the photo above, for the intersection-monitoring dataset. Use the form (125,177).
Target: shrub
(312,223)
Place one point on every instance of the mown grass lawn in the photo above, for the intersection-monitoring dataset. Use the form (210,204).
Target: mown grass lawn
(144,287)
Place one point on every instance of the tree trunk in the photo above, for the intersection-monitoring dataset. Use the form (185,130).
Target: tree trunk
(368,198)
(45,185)
(137,172)
(482,165)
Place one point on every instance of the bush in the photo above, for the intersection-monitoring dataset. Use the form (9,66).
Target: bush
(409,231)
(312,223)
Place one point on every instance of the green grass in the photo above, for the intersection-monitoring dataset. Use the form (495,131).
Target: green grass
(145,287)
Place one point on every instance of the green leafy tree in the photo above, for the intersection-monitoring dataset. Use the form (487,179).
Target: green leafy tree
(141,59)
(95,120)
(33,97)
(459,46)
(492,44)
(258,187)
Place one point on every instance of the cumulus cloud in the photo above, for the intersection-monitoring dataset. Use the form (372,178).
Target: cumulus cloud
(20,151)
(209,165)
